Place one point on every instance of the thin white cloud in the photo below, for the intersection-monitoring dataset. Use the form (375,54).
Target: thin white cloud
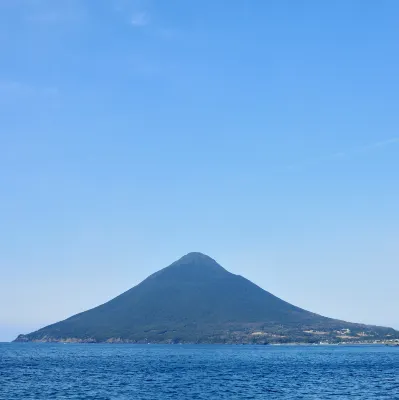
(346,154)
(48,17)
(137,13)
(11,91)
(139,19)
(166,33)
(133,11)
(339,154)
(377,145)
(54,17)
(44,11)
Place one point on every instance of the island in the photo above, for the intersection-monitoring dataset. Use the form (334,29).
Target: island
(196,300)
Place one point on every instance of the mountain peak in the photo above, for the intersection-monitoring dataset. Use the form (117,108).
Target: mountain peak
(196,300)
(196,257)
(192,267)
(197,260)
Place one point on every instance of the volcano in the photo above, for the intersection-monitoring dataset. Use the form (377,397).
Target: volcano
(195,300)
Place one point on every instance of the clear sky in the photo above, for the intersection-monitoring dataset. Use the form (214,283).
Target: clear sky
(262,133)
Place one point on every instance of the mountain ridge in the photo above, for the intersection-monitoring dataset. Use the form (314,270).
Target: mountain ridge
(196,300)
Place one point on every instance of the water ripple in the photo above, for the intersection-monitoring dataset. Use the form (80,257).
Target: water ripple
(122,372)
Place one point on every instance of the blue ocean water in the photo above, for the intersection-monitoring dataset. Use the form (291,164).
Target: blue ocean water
(121,372)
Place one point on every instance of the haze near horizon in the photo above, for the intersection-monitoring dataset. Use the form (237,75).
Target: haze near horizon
(264,134)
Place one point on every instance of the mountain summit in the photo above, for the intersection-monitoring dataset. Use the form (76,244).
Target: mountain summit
(197,258)
(195,300)
(194,263)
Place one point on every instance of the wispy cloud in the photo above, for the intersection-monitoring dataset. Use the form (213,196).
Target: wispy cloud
(53,17)
(346,154)
(134,11)
(47,17)
(14,91)
(378,145)
(44,11)
(140,19)
(138,14)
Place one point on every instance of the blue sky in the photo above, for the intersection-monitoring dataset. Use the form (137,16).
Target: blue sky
(263,133)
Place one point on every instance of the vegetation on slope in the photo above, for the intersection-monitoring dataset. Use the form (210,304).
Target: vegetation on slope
(195,300)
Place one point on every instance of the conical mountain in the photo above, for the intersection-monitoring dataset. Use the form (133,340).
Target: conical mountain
(195,300)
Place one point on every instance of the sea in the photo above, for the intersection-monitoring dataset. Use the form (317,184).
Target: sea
(210,372)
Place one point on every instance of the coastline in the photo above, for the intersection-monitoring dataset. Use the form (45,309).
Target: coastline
(391,343)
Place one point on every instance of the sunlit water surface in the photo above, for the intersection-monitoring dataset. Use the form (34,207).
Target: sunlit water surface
(99,372)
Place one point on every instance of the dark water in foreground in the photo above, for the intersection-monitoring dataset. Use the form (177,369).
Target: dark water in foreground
(83,372)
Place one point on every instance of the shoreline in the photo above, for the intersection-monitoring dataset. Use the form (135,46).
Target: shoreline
(289,344)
